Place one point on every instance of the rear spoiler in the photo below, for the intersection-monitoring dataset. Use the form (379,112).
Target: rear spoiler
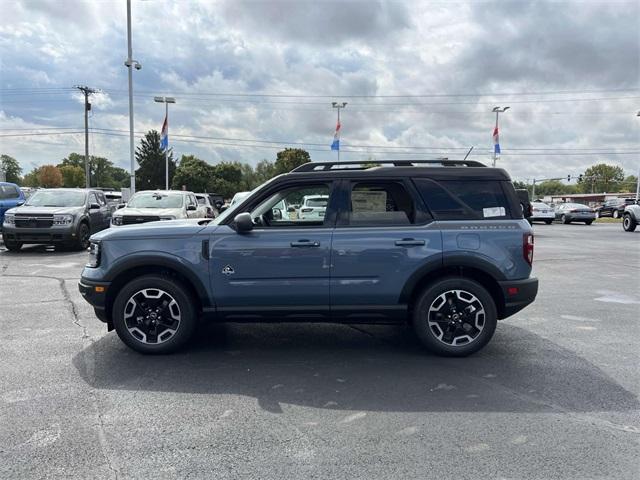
(523,197)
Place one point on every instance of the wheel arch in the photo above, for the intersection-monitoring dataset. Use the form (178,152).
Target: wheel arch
(480,273)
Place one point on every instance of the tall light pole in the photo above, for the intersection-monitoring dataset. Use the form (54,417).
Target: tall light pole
(165,131)
(336,138)
(496,142)
(86,91)
(131,63)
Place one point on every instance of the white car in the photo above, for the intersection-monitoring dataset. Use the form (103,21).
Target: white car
(541,212)
(154,205)
(204,204)
(313,207)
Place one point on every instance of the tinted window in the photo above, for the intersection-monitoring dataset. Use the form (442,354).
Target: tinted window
(8,191)
(381,203)
(456,200)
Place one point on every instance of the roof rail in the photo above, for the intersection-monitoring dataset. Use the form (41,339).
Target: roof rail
(366,164)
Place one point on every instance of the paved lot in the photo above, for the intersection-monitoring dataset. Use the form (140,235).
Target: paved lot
(555,395)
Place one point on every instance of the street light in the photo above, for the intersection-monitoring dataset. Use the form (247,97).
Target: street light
(166,101)
(496,148)
(130,63)
(336,140)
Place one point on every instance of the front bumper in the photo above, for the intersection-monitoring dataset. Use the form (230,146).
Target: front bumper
(517,295)
(95,293)
(51,235)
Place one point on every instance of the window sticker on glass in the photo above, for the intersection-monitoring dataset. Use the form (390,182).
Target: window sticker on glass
(369,201)
(493,212)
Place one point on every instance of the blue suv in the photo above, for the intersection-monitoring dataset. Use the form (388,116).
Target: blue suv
(10,196)
(440,244)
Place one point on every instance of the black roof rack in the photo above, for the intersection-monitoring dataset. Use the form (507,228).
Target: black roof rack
(366,164)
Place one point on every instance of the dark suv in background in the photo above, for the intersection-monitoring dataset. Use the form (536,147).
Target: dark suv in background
(613,207)
(60,216)
(442,245)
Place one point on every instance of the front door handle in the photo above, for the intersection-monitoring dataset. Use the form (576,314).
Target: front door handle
(409,242)
(305,243)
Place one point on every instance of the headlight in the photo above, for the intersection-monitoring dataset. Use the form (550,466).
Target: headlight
(10,219)
(168,217)
(62,219)
(94,255)
(116,220)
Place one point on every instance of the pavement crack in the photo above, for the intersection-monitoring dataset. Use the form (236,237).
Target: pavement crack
(72,307)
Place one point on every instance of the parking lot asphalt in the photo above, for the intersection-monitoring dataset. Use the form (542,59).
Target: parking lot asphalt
(554,395)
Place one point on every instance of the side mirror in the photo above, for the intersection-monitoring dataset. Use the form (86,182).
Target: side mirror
(121,205)
(191,208)
(94,206)
(20,203)
(276,213)
(222,208)
(243,222)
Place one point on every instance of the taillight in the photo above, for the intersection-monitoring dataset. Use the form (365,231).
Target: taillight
(527,247)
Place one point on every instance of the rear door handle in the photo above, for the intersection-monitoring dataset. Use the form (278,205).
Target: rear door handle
(409,242)
(305,243)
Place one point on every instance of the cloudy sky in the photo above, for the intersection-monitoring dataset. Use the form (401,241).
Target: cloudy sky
(250,78)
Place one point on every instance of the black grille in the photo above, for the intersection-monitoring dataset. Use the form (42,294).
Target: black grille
(34,221)
(132,219)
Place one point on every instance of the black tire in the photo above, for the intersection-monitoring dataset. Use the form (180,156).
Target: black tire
(549,222)
(136,340)
(13,246)
(428,335)
(628,223)
(565,220)
(82,236)
(588,222)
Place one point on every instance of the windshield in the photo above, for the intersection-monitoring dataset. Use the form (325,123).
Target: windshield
(56,198)
(316,202)
(202,200)
(156,200)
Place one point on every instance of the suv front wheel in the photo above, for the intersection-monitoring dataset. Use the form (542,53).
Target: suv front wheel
(628,223)
(154,314)
(455,317)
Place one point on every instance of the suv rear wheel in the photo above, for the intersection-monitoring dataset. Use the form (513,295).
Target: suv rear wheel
(628,223)
(455,317)
(154,314)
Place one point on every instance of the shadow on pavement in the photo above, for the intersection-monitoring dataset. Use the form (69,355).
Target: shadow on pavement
(361,368)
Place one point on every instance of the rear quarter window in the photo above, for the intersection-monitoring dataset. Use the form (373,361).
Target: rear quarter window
(465,200)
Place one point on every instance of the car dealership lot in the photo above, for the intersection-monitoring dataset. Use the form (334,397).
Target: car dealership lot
(554,395)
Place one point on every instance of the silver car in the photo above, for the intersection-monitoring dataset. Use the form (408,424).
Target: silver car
(541,212)
(575,212)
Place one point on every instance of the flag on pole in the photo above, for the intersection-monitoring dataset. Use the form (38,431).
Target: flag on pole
(496,141)
(164,135)
(336,138)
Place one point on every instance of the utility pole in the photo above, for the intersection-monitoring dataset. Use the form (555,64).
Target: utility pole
(638,179)
(129,63)
(87,106)
(336,139)
(496,141)
(165,134)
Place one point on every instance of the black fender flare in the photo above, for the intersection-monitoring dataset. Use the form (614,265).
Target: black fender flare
(171,262)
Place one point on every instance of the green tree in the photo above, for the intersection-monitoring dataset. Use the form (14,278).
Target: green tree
(102,172)
(193,173)
(629,184)
(226,180)
(72,176)
(601,178)
(31,178)
(11,168)
(290,158)
(265,170)
(151,173)
(49,176)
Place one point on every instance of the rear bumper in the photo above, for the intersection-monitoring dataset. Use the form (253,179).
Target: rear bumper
(50,235)
(95,293)
(517,295)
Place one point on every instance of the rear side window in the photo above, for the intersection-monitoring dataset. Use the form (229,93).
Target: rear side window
(456,200)
(381,203)
(8,192)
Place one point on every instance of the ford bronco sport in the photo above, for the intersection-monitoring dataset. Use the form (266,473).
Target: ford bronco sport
(440,244)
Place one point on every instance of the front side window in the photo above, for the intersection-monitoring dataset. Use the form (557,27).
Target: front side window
(304,205)
(56,198)
(156,200)
(381,204)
